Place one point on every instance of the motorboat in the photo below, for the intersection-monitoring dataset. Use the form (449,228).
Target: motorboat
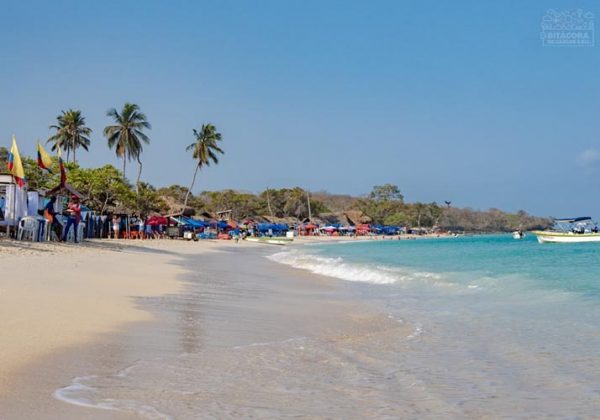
(518,234)
(571,230)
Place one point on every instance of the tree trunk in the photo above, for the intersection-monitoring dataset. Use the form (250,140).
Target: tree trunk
(68,154)
(124,165)
(187,195)
(269,203)
(104,205)
(137,184)
(74,158)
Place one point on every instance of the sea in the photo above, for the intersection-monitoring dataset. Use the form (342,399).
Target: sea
(470,327)
(502,327)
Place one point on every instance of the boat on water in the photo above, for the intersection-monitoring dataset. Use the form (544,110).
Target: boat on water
(518,234)
(573,230)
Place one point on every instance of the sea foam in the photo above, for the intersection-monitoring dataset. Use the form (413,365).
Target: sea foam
(82,394)
(339,268)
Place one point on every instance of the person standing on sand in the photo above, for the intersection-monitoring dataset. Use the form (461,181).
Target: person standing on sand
(50,216)
(116,224)
(74,210)
(141,227)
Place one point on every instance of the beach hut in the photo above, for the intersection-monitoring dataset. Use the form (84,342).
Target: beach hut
(13,202)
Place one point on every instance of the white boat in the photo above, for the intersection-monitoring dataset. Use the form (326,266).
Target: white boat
(518,234)
(574,230)
(279,240)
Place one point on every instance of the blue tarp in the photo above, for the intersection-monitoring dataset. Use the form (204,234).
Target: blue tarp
(186,221)
(385,230)
(273,227)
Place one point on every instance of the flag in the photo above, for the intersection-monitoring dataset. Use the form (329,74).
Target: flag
(63,173)
(15,166)
(43,159)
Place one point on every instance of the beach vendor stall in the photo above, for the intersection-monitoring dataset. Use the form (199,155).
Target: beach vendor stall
(13,203)
(363,229)
(308,229)
(155,226)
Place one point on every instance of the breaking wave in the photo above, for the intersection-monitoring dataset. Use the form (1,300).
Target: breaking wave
(339,268)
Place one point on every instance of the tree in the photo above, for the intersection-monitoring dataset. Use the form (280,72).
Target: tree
(127,135)
(204,150)
(146,200)
(174,196)
(419,209)
(3,158)
(396,219)
(435,212)
(71,133)
(101,187)
(38,178)
(241,204)
(386,192)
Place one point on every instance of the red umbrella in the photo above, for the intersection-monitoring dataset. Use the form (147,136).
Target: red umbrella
(157,220)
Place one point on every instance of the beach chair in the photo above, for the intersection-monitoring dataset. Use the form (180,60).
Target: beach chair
(80,233)
(28,229)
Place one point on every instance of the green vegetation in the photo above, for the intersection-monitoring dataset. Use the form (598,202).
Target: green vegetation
(127,135)
(106,189)
(204,150)
(71,133)
(385,205)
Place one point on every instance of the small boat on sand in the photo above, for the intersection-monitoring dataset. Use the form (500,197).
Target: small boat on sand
(573,230)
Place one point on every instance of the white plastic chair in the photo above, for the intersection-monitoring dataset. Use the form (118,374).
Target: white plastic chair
(28,229)
(80,231)
(71,234)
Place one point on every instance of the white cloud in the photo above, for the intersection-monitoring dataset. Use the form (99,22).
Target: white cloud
(589,158)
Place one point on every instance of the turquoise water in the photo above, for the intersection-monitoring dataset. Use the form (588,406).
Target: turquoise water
(500,325)
(562,267)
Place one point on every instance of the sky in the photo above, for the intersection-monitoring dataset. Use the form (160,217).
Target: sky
(454,101)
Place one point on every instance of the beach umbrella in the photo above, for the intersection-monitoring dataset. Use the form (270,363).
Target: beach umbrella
(157,220)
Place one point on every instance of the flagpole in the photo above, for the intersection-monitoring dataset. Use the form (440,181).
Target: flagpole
(14,206)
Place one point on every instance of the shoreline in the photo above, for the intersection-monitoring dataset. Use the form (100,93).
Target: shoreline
(131,335)
(71,297)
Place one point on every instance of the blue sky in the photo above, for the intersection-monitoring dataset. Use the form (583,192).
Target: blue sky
(449,100)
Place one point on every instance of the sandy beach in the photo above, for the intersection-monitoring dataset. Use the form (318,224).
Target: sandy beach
(194,325)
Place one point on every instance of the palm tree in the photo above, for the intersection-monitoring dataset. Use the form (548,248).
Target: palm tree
(126,136)
(204,150)
(71,133)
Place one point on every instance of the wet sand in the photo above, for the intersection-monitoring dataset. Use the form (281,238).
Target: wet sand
(190,330)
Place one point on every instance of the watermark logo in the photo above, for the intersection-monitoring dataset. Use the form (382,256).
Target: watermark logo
(569,28)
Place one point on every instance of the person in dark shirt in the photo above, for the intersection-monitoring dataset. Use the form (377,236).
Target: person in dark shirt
(50,216)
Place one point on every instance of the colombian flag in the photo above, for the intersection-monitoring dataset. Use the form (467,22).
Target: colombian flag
(15,166)
(63,173)
(43,159)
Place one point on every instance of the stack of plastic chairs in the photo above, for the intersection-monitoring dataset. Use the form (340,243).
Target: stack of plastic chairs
(28,229)
(80,231)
